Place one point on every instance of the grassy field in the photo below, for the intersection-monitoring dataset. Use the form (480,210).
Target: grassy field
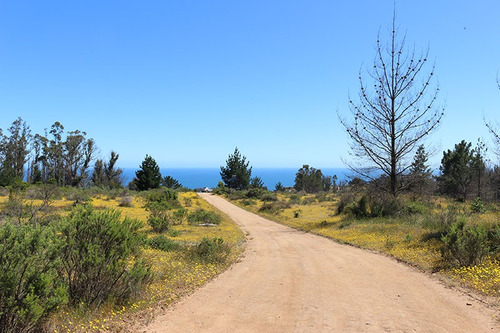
(411,238)
(175,272)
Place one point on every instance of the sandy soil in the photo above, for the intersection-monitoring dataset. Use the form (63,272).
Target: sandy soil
(290,281)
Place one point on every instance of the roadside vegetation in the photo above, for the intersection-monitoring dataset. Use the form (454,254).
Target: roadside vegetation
(434,234)
(448,223)
(92,260)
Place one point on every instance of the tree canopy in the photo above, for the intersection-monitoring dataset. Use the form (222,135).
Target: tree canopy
(237,172)
(148,176)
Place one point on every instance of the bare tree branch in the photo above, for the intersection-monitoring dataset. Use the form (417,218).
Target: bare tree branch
(392,117)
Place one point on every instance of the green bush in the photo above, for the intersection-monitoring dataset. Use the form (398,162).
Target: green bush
(159,221)
(308,201)
(464,244)
(494,238)
(30,287)
(160,242)
(477,206)
(269,197)
(162,199)
(179,216)
(96,249)
(248,202)
(274,207)
(212,250)
(256,193)
(201,216)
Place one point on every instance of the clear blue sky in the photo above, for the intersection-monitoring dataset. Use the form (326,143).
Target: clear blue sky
(187,81)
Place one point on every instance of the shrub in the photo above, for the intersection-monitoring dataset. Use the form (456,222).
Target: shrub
(269,197)
(308,201)
(160,242)
(201,216)
(477,206)
(126,201)
(255,193)
(274,207)
(294,199)
(159,221)
(248,202)
(96,249)
(188,202)
(163,199)
(465,245)
(236,195)
(494,238)
(179,216)
(212,250)
(30,287)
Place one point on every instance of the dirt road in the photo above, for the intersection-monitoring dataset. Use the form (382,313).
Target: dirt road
(290,281)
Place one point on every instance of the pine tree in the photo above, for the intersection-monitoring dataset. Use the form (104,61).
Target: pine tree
(149,176)
(237,172)
(420,172)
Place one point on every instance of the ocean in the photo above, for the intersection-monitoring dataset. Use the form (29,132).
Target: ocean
(209,177)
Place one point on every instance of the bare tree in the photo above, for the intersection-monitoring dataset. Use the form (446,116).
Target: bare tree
(493,129)
(393,114)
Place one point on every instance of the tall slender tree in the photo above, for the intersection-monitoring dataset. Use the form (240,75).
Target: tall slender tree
(392,114)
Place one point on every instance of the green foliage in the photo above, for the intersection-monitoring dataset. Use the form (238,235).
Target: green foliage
(456,170)
(268,196)
(95,250)
(308,179)
(159,220)
(201,216)
(256,193)
(163,199)
(237,172)
(30,287)
(370,206)
(105,174)
(160,242)
(212,250)
(256,182)
(148,176)
(179,216)
(170,182)
(274,207)
(465,245)
(420,177)
(477,206)
(279,187)
(248,202)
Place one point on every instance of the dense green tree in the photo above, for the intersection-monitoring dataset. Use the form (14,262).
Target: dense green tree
(420,176)
(256,182)
(479,167)
(456,170)
(308,179)
(170,182)
(148,176)
(392,115)
(279,187)
(14,151)
(237,172)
